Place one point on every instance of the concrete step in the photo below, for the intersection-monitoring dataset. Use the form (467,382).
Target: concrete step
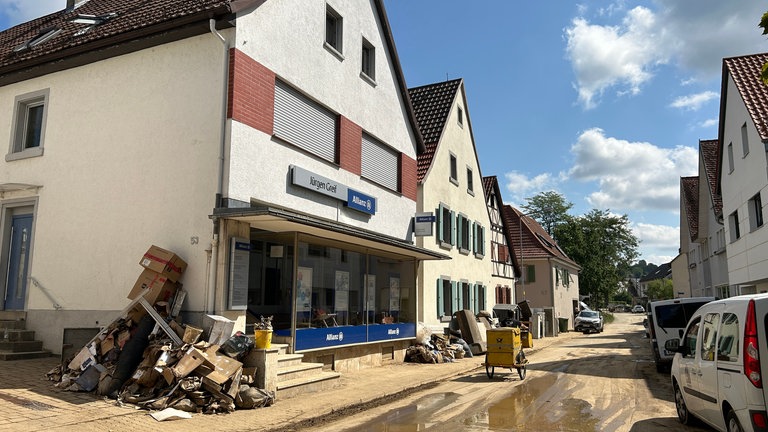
(13,324)
(21,346)
(12,315)
(286,360)
(282,348)
(298,371)
(14,335)
(301,386)
(7,355)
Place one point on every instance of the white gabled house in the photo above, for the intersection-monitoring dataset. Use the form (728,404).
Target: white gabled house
(209,130)
(450,186)
(742,166)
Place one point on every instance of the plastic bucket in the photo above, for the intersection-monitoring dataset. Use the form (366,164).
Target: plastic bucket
(263,339)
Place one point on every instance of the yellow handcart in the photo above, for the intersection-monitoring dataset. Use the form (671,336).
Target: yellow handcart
(505,349)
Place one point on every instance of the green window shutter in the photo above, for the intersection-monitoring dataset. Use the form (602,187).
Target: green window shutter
(483,298)
(459,231)
(440,309)
(453,228)
(473,297)
(482,241)
(440,222)
(454,297)
(475,244)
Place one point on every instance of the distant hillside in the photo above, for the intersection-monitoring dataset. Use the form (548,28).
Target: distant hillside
(642,268)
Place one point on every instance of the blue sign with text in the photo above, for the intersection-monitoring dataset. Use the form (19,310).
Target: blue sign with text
(361,202)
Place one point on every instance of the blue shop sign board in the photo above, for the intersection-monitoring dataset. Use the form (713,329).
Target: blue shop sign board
(361,202)
(329,337)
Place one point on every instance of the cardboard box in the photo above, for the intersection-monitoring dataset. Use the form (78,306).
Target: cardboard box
(217,328)
(191,360)
(221,367)
(159,287)
(164,262)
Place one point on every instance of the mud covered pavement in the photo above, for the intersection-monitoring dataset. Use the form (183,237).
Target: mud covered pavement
(596,382)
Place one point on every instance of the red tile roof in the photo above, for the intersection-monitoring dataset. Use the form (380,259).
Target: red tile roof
(745,72)
(432,104)
(529,239)
(708,150)
(689,194)
(129,16)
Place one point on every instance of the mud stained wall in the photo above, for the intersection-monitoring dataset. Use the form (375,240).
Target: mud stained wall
(359,357)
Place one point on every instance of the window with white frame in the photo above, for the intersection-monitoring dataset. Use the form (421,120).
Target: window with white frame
(730,158)
(380,163)
(464,234)
(744,139)
(733,223)
(334,26)
(454,178)
(28,133)
(755,212)
(446,229)
(304,123)
(478,240)
(720,241)
(369,60)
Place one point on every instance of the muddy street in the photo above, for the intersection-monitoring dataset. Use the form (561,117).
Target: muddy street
(596,382)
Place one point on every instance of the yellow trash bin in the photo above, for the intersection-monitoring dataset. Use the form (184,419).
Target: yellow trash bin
(263,339)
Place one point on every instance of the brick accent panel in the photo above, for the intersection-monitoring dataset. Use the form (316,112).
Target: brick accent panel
(350,145)
(251,92)
(408,180)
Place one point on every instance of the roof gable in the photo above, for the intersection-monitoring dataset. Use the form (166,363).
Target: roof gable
(491,188)
(689,188)
(431,105)
(532,239)
(710,159)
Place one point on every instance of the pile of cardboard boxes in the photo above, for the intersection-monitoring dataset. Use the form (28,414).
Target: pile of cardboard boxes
(149,358)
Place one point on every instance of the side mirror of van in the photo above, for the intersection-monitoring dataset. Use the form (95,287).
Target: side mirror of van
(673,345)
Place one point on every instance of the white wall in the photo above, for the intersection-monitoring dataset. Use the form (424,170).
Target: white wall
(747,256)
(303,61)
(437,188)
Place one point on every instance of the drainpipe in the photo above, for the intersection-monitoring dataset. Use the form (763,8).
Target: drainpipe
(211,308)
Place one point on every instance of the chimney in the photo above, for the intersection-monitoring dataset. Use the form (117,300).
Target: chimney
(70,4)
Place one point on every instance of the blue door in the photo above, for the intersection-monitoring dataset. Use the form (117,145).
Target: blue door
(16,286)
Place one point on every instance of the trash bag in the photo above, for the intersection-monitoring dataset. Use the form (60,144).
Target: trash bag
(237,345)
(251,397)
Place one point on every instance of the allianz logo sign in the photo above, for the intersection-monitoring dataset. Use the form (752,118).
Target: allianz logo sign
(334,337)
(364,203)
(393,332)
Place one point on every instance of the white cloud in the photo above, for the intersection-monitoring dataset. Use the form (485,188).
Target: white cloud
(693,35)
(522,186)
(695,101)
(709,123)
(13,12)
(631,175)
(659,244)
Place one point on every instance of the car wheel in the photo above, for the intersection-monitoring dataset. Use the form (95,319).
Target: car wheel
(682,410)
(732,423)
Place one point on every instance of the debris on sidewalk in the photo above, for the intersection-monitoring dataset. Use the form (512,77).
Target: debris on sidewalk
(148,358)
(433,348)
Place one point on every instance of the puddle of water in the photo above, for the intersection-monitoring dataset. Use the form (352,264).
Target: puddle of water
(414,417)
(26,403)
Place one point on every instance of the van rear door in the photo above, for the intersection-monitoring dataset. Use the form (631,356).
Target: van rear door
(761,315)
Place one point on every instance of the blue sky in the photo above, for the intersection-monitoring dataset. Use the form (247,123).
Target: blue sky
(601,101)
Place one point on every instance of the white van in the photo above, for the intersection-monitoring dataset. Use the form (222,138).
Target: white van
(717,368)
(666,320)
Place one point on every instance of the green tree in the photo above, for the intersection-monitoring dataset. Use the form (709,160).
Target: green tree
(605,248)
(660,289)
(549,209)
(623,297)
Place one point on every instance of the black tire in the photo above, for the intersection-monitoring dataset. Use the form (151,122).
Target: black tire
(732,423)
(682,409)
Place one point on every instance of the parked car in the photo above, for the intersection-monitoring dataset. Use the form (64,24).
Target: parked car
(638,309)
(666,320)
(588,321)
(717,368)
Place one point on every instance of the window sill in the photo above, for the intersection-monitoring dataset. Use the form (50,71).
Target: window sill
(333,51)
(471,192)
(368,79)
(25,154)
(445,245)
(454,181)
(479,256)
(464,251)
